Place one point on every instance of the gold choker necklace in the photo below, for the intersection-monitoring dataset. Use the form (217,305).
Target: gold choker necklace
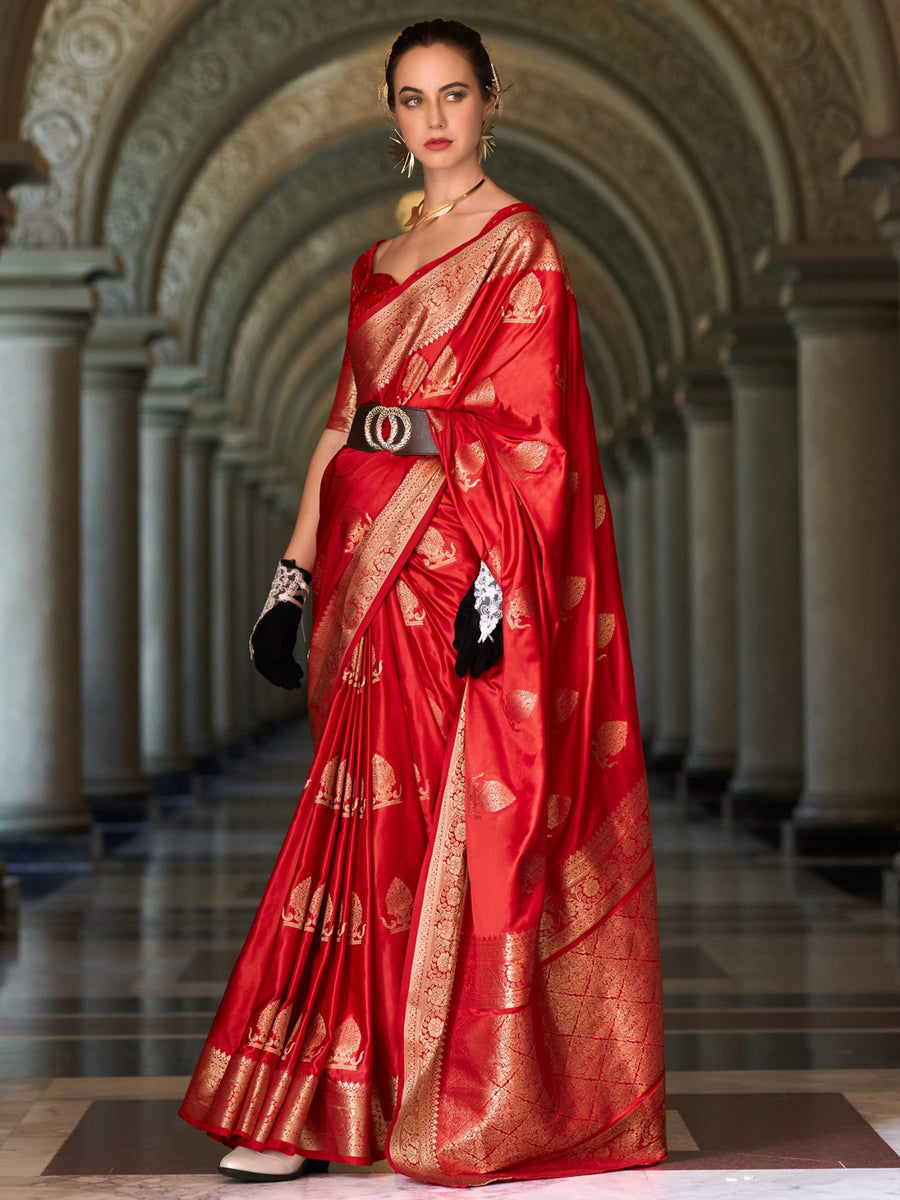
(417,217)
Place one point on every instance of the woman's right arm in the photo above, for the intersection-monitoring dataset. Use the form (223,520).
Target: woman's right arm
(302,546)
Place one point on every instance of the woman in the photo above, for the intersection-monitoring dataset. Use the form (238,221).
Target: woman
(455,962)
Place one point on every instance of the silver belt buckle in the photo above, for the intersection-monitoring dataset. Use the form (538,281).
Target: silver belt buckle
(396,417)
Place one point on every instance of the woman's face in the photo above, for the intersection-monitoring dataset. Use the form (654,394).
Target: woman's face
(438,105)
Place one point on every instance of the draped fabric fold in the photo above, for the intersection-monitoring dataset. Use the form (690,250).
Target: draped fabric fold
(455,962)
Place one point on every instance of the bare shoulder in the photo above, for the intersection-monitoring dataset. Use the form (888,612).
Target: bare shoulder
(502,199)
(388,247)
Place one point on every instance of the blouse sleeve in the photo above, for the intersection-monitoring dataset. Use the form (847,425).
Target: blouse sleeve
(344,405)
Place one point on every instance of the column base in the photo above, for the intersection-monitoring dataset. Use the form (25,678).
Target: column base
(783,785)
(28,824)
(707,772)
(60,853)
(118,801)
(232,752)
(667,753)
(848,810)
(207,763)
(838,841)
(171,783)
(762,798)
(111,788)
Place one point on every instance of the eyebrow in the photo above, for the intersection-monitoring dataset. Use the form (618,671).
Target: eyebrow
(441,89)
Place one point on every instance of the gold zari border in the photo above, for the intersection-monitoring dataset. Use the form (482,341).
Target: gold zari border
(413,1137)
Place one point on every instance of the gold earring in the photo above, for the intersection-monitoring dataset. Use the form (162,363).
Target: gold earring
(403,158)
(486,143)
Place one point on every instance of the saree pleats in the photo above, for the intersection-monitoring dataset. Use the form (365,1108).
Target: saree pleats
(456,960)
(304,1054)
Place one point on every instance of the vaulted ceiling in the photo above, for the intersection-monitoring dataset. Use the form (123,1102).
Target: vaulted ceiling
(235,155)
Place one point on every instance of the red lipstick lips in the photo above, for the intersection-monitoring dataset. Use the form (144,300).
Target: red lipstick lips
(437,143)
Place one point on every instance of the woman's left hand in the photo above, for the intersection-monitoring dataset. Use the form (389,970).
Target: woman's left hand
(478,636)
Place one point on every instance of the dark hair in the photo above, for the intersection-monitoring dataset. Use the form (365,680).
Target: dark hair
(445,33)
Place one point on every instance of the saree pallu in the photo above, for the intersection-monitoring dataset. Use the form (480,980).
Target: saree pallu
(455,963)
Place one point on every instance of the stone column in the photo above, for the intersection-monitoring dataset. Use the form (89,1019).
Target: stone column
(272,542)
(46,306)
(19,161)
(759,358)
(196,484)
(673,699)
(614,482)
(115,365)
(703,396)
(286,503)
(244,590)
(842,303)
(640,589)
(226,640)
(878,158)
(259,578)
(165,407)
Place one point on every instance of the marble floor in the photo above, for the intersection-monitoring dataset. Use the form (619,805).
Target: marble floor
(782,1012)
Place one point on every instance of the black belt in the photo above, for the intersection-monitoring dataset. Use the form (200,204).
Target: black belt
(391,427)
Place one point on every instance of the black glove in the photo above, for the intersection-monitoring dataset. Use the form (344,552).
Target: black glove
(275,632)
(478,636)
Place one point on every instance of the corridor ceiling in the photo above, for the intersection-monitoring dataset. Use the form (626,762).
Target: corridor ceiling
(233,152)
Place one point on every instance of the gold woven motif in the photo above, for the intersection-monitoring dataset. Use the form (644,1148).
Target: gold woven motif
(411,608)
(385,788)
(398,904)
(433,551)
(467,464)
(518,705)
(481,396)
(609,740)
(525,302)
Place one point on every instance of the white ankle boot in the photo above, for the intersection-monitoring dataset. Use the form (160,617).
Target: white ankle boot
(260,1166)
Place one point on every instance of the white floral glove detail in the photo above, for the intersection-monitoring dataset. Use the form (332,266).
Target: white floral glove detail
(291,583)
(488,602)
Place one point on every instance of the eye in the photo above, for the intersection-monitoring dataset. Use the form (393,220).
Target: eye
(411,101)
(456,95)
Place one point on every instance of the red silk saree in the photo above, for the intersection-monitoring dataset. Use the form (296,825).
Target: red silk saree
(455,964)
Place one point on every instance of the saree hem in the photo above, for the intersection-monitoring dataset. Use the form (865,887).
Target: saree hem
(232,1140)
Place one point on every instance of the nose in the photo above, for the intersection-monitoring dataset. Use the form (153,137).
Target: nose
(435,116)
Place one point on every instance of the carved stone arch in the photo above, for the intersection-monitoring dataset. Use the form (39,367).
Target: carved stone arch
(322,342)
(303,423)
(818,98)
(211,52)
(275,323)
(682,305)
(603,306)
(171,20)
(336,203)
(301,374)
(581,208)
(233,180)
(805,53)
(302,345)
(268,234)
(301,340)
(80,56)
(602,371)
(286,309)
